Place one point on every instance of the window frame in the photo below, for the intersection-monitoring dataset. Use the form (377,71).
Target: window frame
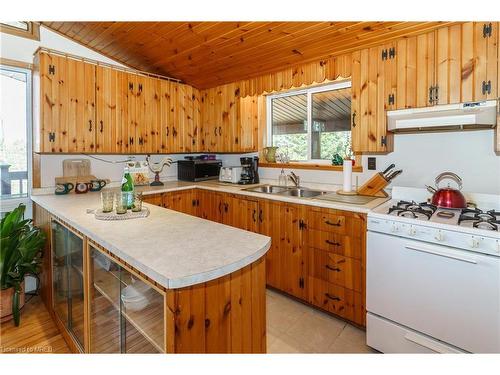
(7,203)
(33,31)
(309,91)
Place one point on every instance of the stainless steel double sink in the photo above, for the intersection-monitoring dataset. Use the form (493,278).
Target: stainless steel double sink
(287,191)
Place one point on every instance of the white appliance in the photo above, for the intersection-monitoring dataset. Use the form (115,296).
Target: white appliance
(460,116)
(230,174)
(433,281)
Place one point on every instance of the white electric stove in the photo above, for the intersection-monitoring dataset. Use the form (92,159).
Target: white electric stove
(433,275)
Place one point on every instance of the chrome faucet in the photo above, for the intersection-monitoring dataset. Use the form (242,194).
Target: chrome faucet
(294,178)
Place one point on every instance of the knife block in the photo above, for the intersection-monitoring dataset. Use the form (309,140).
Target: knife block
(374,187)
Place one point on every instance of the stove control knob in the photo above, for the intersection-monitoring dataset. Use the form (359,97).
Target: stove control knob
(412,231)
(394,228)
(474,242)
(439,236)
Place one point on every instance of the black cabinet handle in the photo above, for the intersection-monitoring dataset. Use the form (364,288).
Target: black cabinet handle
(337,224)
(226,207)
(215,131)
(90,125)
(254,215)
(168,131)
(333,298)
(130,86)
(131,140)
(220,130)
(102,126)
(260,216)
(220,207)
(353,120)
(327,266)
(332,243)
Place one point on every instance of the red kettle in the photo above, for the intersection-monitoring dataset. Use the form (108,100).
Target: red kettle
(447,197)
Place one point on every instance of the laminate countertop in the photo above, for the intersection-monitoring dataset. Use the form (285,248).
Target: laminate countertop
(174,249)
(225,187)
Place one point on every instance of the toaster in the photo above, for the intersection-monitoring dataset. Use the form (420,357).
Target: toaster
(230,174)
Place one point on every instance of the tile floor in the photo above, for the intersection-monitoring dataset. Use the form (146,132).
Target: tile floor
(293,327)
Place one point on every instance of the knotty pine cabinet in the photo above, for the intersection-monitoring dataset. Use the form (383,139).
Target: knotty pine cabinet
(64,105)
(229,122)
(453,64)
(316,254)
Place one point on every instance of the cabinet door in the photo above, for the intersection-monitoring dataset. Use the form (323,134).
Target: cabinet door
(155,199)
(240,213)
(120,323)
(142,109)
(183,201)
(370,98)
(247,129)
(67,94)
(112,110)
(479,70)
(210,207)
(270,225)
(68,296)
(173,127)
(293,261)
(131,125)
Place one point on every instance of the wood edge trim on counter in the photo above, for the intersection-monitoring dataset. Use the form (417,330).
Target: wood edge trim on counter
(318,167)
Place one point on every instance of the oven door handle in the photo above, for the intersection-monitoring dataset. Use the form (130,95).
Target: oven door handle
(441,253)
(429,344)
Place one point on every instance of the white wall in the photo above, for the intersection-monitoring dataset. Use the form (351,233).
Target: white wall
(421,156)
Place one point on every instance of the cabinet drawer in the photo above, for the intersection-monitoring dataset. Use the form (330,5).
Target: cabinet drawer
(334,268)
(336,299)
(335,243)
(327,222)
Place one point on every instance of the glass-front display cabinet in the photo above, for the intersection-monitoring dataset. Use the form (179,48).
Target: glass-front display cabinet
(127,313)
(67,280)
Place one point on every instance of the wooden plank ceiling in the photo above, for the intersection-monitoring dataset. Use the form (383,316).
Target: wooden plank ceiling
(207,54)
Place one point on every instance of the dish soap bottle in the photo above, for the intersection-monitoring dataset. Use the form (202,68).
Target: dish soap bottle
(282,178)
(128,186)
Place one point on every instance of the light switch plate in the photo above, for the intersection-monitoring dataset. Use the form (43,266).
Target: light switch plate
(372,163)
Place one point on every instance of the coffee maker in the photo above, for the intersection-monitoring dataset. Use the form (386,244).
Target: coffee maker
(249,171)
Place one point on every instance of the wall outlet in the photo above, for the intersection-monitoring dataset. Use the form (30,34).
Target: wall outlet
(372,163)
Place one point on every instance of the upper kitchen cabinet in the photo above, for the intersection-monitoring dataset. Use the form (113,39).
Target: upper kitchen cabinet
(64,110)
(373,92)
(229,122)
(453,64)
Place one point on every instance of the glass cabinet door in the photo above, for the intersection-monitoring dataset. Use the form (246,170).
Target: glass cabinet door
(67,265)
(60,272)
(127,314)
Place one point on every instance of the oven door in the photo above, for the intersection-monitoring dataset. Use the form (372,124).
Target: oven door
(449,294)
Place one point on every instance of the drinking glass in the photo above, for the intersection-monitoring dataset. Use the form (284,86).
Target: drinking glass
(107,199)
(121,202)
(137,202)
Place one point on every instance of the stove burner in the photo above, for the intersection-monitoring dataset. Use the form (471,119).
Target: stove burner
(445,214)
(412,209)
(489,220)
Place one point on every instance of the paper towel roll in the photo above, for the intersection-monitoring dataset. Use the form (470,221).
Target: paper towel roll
(347,186)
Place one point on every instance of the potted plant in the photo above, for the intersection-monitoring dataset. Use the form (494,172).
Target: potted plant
(21,246)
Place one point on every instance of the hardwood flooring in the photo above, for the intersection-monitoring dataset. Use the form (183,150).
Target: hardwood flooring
(37,332)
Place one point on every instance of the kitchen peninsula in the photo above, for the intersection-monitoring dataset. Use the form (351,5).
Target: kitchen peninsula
(170,282)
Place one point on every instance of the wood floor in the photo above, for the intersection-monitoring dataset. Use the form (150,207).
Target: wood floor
(37,332)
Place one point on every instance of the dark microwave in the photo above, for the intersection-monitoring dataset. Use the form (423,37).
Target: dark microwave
(198,170)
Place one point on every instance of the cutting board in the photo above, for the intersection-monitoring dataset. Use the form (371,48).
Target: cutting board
(76,167)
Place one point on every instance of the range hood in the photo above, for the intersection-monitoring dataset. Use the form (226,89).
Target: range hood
(462,116)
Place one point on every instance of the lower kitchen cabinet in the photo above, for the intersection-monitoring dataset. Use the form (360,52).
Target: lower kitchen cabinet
(127,313)
(67,278)
(316,255)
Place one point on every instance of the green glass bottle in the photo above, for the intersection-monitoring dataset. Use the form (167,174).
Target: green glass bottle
(128,187)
